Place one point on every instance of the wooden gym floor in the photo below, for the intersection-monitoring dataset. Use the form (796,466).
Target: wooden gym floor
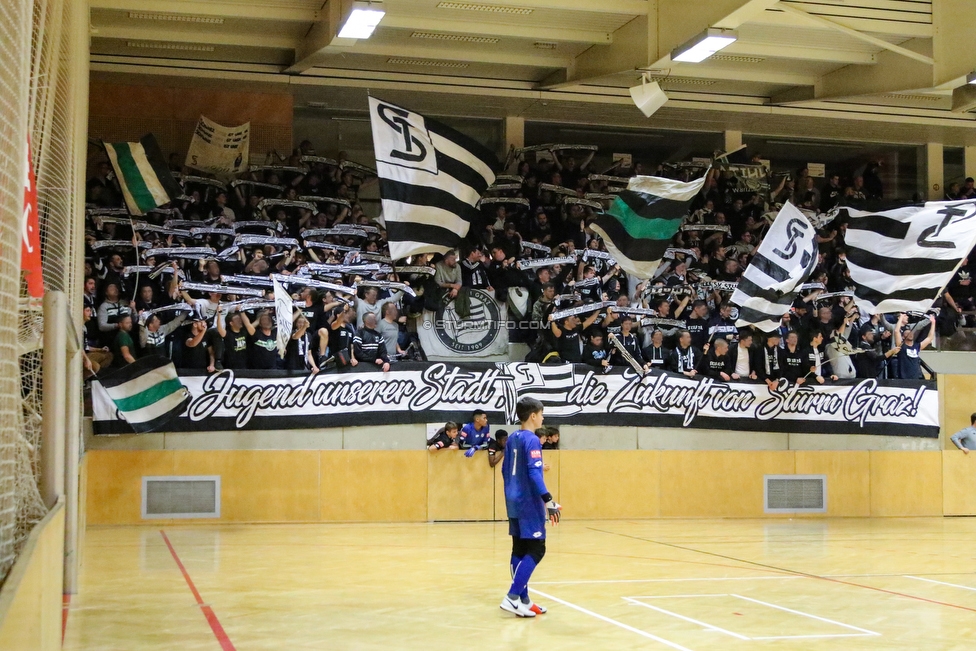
(662,584)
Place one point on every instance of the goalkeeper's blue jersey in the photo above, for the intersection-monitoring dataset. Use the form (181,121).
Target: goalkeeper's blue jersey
(522,473)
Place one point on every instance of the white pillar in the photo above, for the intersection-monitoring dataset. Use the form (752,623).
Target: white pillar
(970,161)
(733,140)
(53,412)
(79,57)
(934,172)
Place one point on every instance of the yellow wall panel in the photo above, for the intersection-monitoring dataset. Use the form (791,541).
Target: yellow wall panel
(374,485)
(848,479)
(114,493)
(609,483)
(718,483)
(906,483)
(459,488)
(259,485)
(958,482)
(30,599)
(957,396)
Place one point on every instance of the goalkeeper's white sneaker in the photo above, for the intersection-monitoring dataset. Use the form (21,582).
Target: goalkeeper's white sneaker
(537,609)
(517,608)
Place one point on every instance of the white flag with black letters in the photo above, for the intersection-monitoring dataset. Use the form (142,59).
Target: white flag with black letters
(783,262)
(901,259)
(431,178)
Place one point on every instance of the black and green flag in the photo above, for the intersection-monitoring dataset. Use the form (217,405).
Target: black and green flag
(145,179)
(639,225)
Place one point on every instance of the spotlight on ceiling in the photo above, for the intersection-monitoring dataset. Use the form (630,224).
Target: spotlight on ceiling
(703,46)
(362,20)
(648,96)
(971,78)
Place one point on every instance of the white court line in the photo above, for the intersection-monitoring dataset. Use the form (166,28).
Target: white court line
(709,627)
(676,596)
(951,585)
(803,614)
(612,621)
(729,578)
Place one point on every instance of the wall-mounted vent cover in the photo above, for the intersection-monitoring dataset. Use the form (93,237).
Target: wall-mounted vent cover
(174,498)
(795,494)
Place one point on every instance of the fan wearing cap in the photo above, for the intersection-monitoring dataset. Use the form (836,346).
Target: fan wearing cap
(871,363)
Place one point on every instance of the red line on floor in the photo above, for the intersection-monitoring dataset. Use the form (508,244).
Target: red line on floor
(65,604)
(208,612)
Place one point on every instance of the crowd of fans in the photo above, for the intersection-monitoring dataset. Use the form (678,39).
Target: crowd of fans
(192,280)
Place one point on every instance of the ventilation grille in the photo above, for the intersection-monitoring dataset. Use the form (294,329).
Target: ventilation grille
(495,9)
(181,497)
(463,38)
(429,63)
(177,18)
(735,58)
(158,45)
(795,494)
(545,45)
(683,81)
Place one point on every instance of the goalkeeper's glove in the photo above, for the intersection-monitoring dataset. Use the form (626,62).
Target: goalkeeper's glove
(553,509)
(470,452)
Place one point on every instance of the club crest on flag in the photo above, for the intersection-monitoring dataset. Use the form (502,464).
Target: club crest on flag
(471,334)
(402,139)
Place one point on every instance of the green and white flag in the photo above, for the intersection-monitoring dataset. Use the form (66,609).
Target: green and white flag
(143,174)
(148,393)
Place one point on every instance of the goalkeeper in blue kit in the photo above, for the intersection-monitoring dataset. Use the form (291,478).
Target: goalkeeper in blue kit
(529,505)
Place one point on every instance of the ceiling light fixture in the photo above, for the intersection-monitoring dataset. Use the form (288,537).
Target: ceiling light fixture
(362,20)
(703,46)
(971,78)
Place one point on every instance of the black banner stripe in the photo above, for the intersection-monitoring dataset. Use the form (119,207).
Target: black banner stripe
(433,235)
(751,289)
(770,268)
(914,295)
(158,163)
(427,196)
(885,226)
(638,250)
(757,316)
(652,206)
(475,148)
(131,371)
(901,266)
(163,420)
(463,173)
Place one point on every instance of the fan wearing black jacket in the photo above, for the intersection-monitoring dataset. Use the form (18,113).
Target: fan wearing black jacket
(743,358)
(792,360)
(768,368)
(630,342)
(594,353)
(685,358)
(716,363)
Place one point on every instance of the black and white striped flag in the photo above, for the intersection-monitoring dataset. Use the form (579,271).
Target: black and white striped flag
(431,178)
(901,259)
(783,262)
